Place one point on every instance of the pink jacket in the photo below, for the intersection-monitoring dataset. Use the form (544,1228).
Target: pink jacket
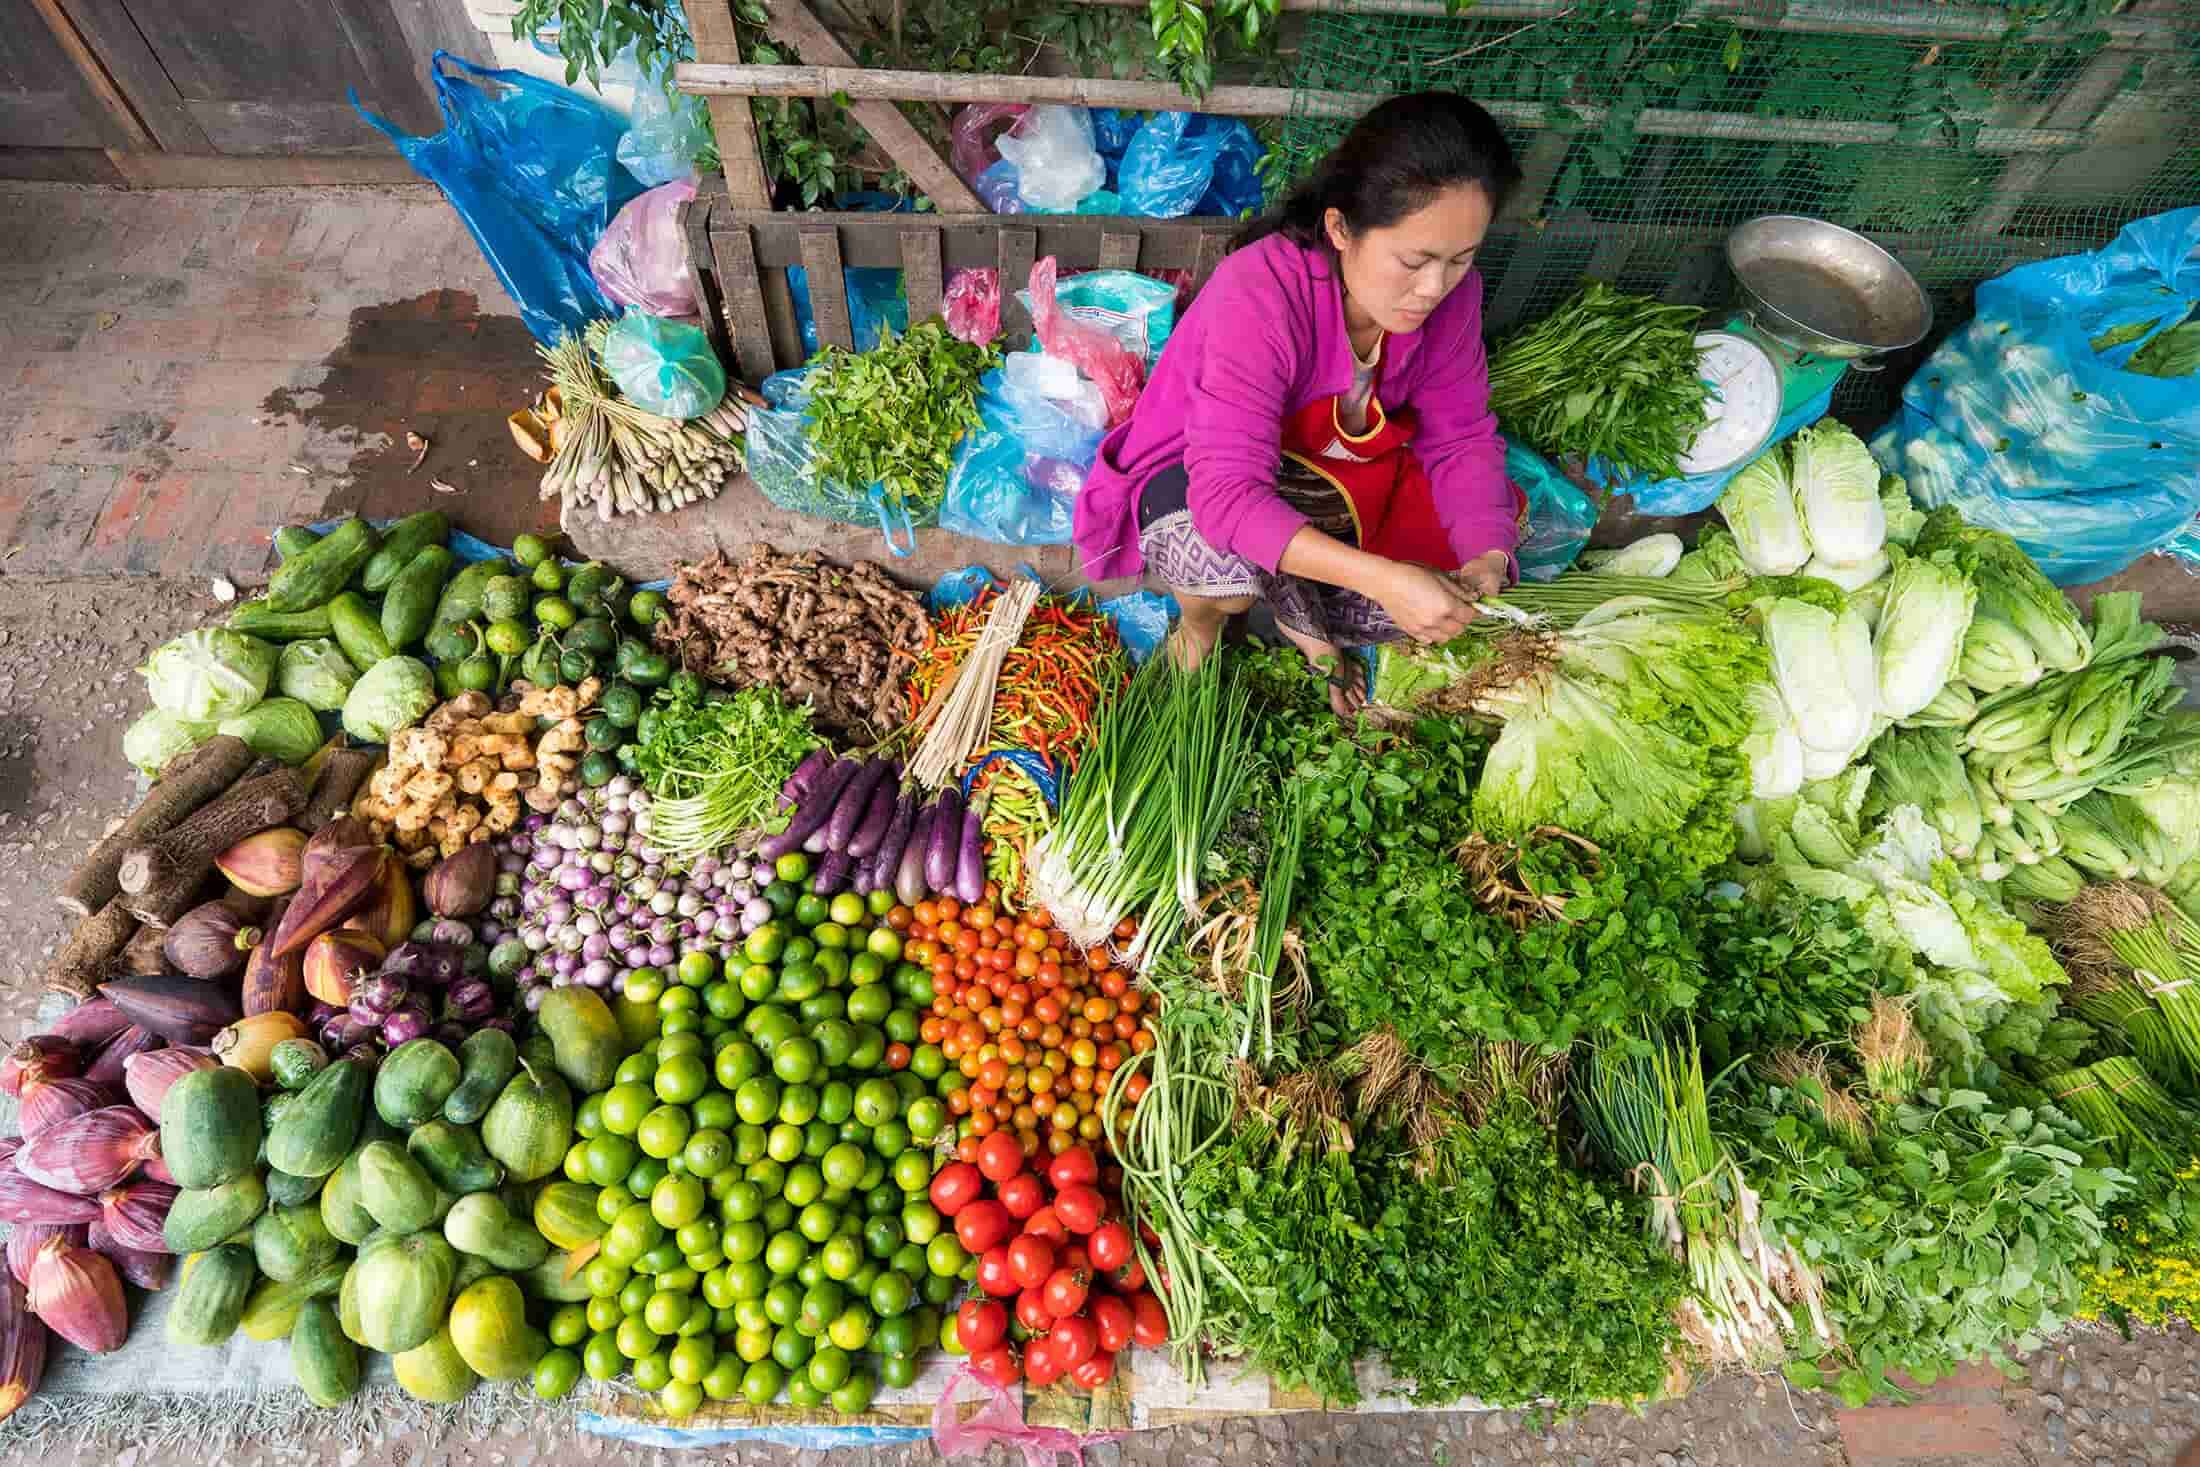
(1266,337)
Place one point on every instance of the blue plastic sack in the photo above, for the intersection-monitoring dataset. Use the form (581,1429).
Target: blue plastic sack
(1112,131)
(1560,516)
(1169,165)
(1142,618)
(2022,425)
(1237,188)
(533,172)
(1016,476)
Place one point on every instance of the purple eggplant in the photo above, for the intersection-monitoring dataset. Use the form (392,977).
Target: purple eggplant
(832,873)
(810,816)
(805,775)
(939,852)
(407,1024)
(407,959)
(876,817)
(865,880)
(909,868)
(970,860)
(854,803)
(450,1033)
(378,997)
(469,1001)
(886,856)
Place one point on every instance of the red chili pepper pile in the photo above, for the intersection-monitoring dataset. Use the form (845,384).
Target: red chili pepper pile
(1051,681)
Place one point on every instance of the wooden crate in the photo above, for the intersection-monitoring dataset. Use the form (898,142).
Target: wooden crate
(748,253)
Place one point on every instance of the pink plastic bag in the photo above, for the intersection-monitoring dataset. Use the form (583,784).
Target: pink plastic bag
(973,305)
(1116,372)
(1001,1419)
(970,140)
(641,259)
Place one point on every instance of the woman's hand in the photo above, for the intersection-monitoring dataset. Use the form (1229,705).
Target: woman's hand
(1427,607)
(1485,574)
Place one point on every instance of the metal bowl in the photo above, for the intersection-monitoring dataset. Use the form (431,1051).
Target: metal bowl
(1826,290)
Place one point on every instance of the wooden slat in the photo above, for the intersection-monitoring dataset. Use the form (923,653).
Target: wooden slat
(793,23)
(828,287)
(1610,256)
(702,270)
(746,322)
(1522,272)
(1937,22)
(786,335)
(124,54)
(1212,248)
(921,276)
(1118,250)
(202,170)
(123,125)
(732,120)
(949,88)
(1019,249)
(874,240)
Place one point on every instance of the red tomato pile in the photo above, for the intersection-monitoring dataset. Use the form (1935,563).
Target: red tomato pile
(1057,1274)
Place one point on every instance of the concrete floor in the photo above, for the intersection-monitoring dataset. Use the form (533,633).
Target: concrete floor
(185,371)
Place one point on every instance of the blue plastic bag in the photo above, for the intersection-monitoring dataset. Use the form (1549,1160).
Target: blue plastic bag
(1560,516)
(1016,476)
(1142,618)
(1183,162)
(2021,424)
(534,173)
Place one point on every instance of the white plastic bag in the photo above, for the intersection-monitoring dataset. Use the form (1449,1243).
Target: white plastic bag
(1057,160)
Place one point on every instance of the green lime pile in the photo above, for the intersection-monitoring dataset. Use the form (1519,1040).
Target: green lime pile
(761,1173)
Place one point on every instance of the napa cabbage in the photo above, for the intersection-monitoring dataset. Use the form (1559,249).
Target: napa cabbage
(1922,626)
(1836,487)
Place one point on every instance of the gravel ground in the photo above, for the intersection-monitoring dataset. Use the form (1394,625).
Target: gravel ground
(67,690)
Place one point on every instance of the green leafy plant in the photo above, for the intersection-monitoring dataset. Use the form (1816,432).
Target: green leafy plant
(893,415)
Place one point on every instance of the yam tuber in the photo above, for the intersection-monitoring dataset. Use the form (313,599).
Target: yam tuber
(189,781)
(342,772)
(159,877)
(88,957)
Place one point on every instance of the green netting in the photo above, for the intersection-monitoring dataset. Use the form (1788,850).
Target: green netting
(1965,138)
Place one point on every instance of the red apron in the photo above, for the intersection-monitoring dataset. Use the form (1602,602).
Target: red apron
(1388,492)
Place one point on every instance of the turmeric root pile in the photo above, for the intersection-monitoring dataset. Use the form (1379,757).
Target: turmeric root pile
(471,769)
(838,639)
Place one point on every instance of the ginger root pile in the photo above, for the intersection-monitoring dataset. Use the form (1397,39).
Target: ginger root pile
(470,770)
(839,639)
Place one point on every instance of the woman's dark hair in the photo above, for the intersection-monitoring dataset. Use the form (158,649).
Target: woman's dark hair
(1395,159)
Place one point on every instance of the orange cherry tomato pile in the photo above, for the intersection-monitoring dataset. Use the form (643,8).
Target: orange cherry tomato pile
(1060,1292)
(1036,1028)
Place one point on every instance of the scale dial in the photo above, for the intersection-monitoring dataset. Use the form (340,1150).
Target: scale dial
(1744,405)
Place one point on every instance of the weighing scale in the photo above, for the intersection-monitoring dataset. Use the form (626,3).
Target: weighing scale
(1756,381)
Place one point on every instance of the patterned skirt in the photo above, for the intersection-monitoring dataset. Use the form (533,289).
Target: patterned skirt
(1184,561)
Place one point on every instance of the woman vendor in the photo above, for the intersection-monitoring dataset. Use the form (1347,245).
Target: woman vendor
(1317,433)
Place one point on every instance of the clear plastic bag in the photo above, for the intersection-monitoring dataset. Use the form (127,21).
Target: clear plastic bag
(1056,161)
(1117,372)
(1016,476)
(531,168)
(641,260)
(667,130)
(2029,421)
(664,367)
(973,305)
(784,469)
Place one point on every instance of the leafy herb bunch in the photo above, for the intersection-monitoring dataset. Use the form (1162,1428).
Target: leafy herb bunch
(1949,1229)
(893,415)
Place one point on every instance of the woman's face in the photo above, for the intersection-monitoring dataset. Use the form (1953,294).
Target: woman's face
(1399,274)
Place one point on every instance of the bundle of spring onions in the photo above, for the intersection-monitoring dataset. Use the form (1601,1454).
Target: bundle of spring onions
(1271,927)
(2116,1097)
(1642,1102)
(1170,758)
